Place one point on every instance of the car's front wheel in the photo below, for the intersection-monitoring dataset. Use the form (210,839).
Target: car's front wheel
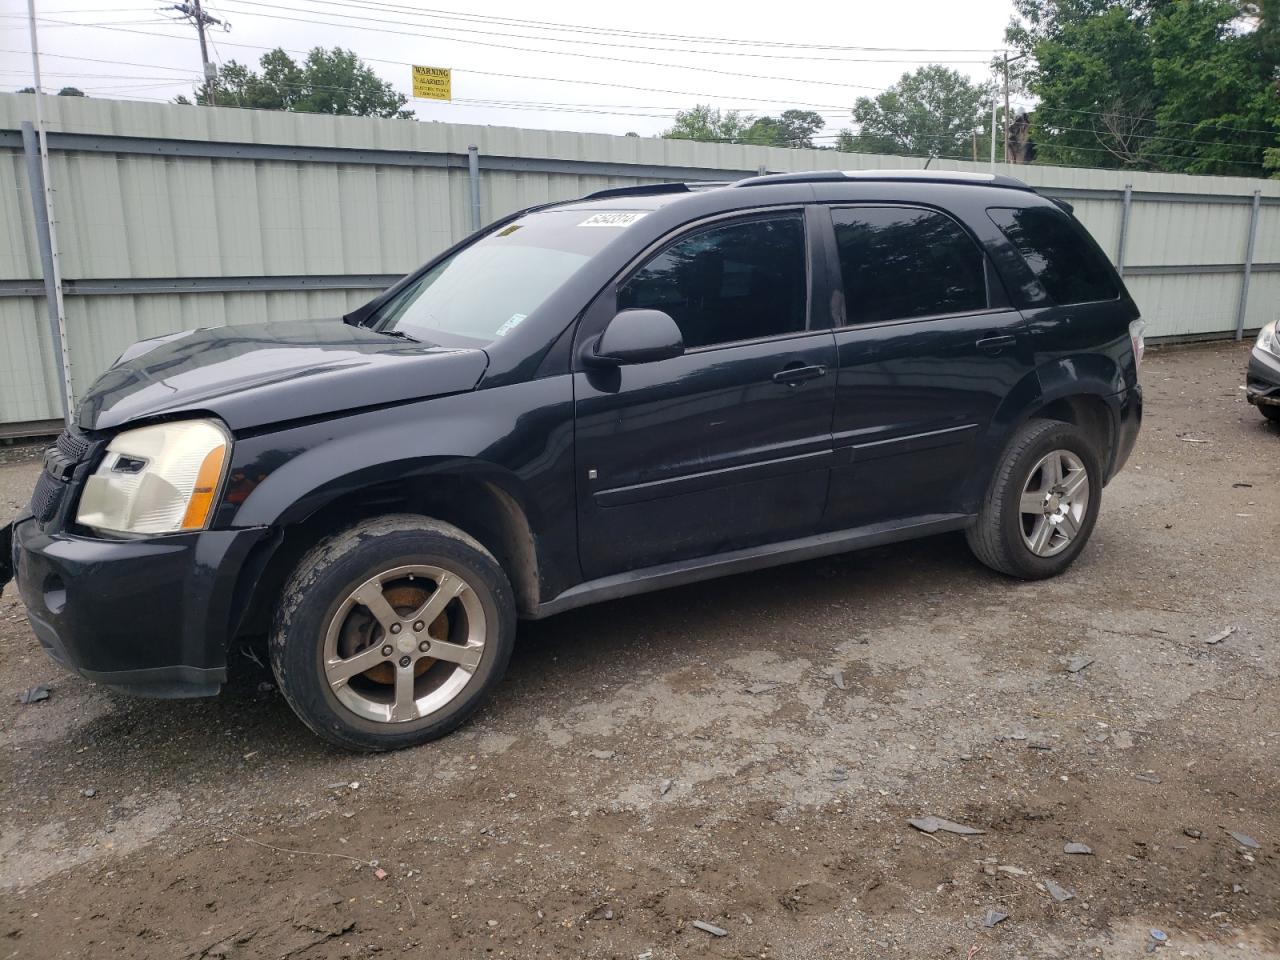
(390,633)
(1270,411)
(1042,503)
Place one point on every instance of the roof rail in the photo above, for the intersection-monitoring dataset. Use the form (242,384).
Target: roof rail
(639,189)
(917,176)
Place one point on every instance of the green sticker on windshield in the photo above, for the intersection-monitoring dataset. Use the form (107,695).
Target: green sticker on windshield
(516,319)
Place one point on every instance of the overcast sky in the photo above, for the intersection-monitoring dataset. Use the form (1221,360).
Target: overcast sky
(125,48)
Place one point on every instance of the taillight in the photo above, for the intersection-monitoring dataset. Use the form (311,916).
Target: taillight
(1136,331)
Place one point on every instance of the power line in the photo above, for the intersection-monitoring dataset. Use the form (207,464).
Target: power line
(619,31)
(255,9)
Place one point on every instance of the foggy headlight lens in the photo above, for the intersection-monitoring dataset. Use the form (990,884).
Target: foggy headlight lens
(157,479)
(1268,339)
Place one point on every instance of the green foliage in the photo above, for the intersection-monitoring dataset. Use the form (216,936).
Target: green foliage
(793,128)
(64,92)
(1177,85)
(932,110)
(329,81)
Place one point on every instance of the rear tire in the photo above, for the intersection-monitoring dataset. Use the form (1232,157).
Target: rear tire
(1042,503)
(391,633)
(1270,411)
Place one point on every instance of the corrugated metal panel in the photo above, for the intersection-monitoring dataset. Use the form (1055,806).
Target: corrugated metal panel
(130,215)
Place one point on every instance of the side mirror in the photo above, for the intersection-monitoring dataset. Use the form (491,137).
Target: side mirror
(635,336)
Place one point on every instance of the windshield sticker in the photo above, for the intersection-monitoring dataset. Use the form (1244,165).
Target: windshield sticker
(612,219)
(516,319)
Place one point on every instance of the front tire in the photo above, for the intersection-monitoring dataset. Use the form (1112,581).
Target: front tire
(1042,504)
(1270,411)
(391,633)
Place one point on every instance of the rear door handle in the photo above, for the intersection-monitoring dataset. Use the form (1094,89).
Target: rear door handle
(794,375)
(996,344)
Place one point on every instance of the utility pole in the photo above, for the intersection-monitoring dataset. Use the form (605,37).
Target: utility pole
(53,279)
(1008,158)
(201,19)
(993,127)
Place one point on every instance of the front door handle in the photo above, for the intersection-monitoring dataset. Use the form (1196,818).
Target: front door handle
(794,375)
(997,343)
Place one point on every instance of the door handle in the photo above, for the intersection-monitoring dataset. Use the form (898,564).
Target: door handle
(997,343)
(794,375)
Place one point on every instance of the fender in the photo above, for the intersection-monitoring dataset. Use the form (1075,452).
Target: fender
(280,478)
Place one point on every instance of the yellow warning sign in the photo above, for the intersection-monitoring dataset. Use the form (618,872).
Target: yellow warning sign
(433,83)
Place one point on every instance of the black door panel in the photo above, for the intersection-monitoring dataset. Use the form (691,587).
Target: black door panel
(702,453)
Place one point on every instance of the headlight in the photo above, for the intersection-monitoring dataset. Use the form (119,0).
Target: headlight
(158,479)
(1268,339)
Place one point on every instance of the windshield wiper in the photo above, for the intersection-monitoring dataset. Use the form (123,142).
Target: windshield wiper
(399,335)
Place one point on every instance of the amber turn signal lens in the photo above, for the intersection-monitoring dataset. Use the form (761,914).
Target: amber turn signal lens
(206,487)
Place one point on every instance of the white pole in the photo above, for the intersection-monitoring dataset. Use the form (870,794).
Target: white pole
(65,356)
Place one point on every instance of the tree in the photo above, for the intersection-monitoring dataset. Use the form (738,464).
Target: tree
(704,122)
(64,92)
(933,110)
(794,128)
(329,81)
(1179,85)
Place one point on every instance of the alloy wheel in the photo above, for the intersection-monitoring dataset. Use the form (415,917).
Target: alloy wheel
(1054,503)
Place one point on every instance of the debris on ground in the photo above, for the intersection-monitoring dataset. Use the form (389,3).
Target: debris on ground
(603,913)
(602,754)
(711,928)
(89,792)
(839,775)
(1080,848)
(1012,871)
(1147,778)
(932,824)
(1076,664)
(1059,893)
(1220,636)
(761,687)
(664,787)
(993,917)
(379,873)
(837,678)
(35,694)
(1244,840)
(1192,832)
(1159,935)
(1192,440)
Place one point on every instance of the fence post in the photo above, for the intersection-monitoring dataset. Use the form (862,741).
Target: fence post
(1248,265)
(41,210)
(1124,227)
(473,174)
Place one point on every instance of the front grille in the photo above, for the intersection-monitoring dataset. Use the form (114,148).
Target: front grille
(47,496)
(72,446)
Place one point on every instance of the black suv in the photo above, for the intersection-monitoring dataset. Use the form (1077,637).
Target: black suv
(646,387)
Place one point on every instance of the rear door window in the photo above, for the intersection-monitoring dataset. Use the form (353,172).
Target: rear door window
(903,262)
(1068,265)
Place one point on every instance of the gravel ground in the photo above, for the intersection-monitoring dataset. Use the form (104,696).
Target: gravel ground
(745,753)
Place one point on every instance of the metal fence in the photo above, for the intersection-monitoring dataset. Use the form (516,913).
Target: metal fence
(169,217)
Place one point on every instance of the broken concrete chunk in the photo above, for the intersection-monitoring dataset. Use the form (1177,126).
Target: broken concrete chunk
(1076,664)
(664,786)
(1244,840)
(1081,848)
(933,824)
(602,754)
(1012,871)
(1059,893)
(1220,635)
(838,679)
(993,917)
(34,694)
(711,928)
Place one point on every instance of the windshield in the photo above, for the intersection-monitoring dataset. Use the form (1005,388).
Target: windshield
(487,289)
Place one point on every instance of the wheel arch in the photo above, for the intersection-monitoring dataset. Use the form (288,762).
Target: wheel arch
(479,498)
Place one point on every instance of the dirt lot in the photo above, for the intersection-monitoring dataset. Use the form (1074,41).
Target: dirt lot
(745,753)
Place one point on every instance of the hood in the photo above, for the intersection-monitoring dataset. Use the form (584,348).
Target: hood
(264,373)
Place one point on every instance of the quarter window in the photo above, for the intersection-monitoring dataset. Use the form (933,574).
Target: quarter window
(903,262)
(740,281)
(1066,263)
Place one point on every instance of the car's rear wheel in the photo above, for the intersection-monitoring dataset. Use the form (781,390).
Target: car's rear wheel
(392,632)
(1042,503)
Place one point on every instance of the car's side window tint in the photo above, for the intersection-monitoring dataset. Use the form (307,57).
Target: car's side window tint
(903,262)
(739,281)
(1067,265)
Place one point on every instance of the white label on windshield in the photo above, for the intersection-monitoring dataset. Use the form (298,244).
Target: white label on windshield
(516,319)
(612,219)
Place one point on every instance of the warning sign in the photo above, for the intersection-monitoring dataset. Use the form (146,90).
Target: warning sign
(433,83)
